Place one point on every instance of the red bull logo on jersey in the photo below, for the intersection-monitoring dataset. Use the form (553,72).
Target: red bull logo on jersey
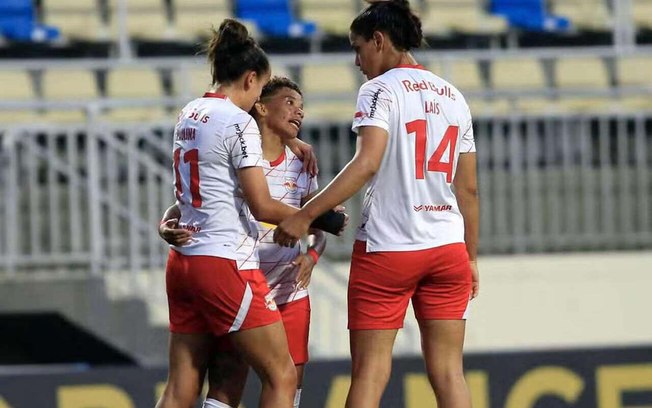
(424,85)
(290,185)
(432,208)
(270,303)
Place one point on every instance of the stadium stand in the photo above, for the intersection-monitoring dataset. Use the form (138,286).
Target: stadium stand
(592,15)
(467,16)
(642,13)
(537,88)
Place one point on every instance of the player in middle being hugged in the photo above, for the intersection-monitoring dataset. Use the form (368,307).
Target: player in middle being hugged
(279,115)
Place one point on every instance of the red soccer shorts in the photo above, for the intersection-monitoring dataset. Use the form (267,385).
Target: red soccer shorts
(296,319)
(438,280)
(208,294)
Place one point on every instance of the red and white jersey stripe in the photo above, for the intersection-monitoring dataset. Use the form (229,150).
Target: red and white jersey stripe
(289,184)
(212,139)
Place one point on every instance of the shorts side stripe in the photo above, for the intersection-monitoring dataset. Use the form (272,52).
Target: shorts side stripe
(244,309)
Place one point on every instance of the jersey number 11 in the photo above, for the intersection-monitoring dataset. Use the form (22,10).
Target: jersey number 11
(191,157)
(419,128)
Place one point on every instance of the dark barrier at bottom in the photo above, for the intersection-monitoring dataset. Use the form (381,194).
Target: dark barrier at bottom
(606,378)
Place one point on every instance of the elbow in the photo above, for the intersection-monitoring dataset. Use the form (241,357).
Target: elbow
(369,168)
(467,193)
(259,210)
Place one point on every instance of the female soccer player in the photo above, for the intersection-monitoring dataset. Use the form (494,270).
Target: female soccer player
(418,235)
(213,282)
(279,115)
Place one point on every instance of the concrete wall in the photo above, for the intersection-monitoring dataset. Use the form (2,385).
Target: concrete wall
(530,302)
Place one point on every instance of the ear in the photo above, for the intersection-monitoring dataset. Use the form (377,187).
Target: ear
(379,40)
(261,109)
(250,79)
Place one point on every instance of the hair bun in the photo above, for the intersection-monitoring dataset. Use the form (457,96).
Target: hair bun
(401,3)
(232,33)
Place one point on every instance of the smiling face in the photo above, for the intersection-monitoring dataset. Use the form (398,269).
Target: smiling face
(368,55)
(284,112)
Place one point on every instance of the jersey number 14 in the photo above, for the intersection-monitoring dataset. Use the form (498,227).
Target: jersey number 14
(419,128)
(192,158)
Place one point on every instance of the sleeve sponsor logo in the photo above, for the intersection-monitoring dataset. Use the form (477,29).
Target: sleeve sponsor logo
(374,103)
(243,144)
(432,208)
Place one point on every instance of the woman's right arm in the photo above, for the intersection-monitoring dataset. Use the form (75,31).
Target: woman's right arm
(466,192)
(256,193)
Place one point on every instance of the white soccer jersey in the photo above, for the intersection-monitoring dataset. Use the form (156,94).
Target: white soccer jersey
(409,204)
(289,184)
(212,139)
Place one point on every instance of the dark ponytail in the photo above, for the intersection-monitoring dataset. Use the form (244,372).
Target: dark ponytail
(232,52)
(392,17)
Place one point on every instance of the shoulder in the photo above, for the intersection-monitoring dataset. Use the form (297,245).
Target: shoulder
(292,160)
(377,85)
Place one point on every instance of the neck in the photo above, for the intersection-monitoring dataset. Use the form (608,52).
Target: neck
(400,58)
(233,92)
(273,145)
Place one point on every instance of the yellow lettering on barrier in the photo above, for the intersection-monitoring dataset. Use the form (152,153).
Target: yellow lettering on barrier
(96,396)
(558,381)
(339,390)
(418,392)
(478,382)
(3,403)
(158,390)
(611,381)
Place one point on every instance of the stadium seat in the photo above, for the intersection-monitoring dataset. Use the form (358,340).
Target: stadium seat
(84,25)
(152,25)
(139,114)
(318,111)
(64,115)
(642,13)
(331,17)
(69,84)
(634,71)
(193,84)
(134,83)
(515,74)
(330,79)
(634,103)
(16,85)
(19,116)
(464,75)
(197,24)
(487,107)
(465,17)
(585,14)
(588,73)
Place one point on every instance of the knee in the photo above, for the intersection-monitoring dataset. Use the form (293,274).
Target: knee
(446,378)
(371,370)
(283,376)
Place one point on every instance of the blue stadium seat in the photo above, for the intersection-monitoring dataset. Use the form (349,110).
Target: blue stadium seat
(274,18)
(17,22)
(530,15)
